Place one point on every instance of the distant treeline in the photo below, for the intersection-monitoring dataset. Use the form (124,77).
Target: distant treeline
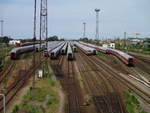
(5,39)
(89,40)
(52,38)
(55,38)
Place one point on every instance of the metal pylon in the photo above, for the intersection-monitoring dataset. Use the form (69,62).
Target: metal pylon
(43,21)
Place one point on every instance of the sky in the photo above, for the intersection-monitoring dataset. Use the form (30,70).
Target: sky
(66,17)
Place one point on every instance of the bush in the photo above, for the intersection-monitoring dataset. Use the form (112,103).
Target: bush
(52,83)
(31,109)
(16,109)
(52,101)
(132,102)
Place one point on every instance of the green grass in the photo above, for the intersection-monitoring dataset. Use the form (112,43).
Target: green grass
(2,53)
(6,63)
(136,48)
(80,78)
(16,109)
(48,71)
(52,82)
(52,101)
(26,57)
(133,105)
(37,94)
(43,95)
(103,55)
(29,108)
(6,50)
(30,55)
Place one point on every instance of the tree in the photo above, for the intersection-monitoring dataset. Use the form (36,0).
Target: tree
(62,39)
(84,39)
(148,40)
(5,39)
(53,38)
(34,39)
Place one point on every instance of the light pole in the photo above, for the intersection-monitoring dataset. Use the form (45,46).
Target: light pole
(43,27)
(2,21)
(97,23)
(84,29)
(125,38)
(4,102)
(34,39)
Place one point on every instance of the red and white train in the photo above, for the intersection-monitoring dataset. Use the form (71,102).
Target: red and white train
(16,52)
(127,59)
(98,48)
(27,43)
(87,50)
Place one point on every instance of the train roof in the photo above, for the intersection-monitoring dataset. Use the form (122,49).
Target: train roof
(64,47)
(122,53)
(103,48)
(94,46)
(52,45)
(69,50)
(23,47)
(58,47)
(84,47)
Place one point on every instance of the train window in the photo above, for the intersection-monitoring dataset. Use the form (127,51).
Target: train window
(52,54)
(12,54)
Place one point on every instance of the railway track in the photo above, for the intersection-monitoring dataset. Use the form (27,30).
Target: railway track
(105,95)
(144,58)
(135,71)
(140,65)
(71,69)
(112,71)
(73,103)
(4,74)
(86,72)
(9,69)
(56,65)
(64,71)
(15,87)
